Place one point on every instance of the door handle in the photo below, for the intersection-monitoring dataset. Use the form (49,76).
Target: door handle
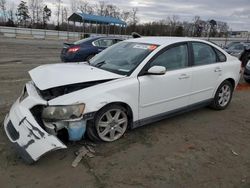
(184,76)
(217,69)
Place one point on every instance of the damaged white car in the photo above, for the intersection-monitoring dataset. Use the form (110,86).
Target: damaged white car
(130,84)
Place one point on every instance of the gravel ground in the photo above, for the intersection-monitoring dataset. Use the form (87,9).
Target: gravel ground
(202,148)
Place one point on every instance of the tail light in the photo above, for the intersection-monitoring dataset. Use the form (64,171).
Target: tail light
(73,49)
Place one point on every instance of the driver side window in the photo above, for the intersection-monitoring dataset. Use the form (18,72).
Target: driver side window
(173,58)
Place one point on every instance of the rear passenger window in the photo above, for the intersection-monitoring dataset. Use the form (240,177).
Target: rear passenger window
(220,55)
(203,54)
(103,42)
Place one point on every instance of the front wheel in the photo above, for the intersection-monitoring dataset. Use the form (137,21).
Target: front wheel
(223,96)
(109,125)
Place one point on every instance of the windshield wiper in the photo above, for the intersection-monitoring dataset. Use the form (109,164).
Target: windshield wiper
(99,64)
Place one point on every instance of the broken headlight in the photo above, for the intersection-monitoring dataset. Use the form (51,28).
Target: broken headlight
(63,113)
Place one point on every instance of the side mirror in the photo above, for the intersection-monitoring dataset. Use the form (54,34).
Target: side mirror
(157,70)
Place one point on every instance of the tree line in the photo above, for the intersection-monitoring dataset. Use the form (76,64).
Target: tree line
(37,14)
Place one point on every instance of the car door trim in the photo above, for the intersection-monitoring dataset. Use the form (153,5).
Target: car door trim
(174,98)
(171,113)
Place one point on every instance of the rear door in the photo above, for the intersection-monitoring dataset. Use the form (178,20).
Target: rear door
(206,70)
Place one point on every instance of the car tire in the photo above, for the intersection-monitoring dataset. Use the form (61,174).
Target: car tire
(89,57)
(222,96)
(109,124)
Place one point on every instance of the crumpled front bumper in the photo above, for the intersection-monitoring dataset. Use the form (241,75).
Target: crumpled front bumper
(22,129)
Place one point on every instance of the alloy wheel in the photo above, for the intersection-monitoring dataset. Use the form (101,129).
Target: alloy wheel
(112,125)
(224,95)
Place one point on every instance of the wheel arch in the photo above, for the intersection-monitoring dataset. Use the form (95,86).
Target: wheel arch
(231,80)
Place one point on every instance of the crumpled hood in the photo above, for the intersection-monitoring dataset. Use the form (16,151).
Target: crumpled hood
(55,75)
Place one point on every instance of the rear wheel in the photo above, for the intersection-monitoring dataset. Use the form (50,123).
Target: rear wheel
(109,125)
(223,96)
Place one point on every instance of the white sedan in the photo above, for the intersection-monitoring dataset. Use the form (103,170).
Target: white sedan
(130,84)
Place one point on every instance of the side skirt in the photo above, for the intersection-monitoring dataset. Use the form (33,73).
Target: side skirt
(171,113)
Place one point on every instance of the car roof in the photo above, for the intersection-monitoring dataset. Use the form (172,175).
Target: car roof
(163,40)
(102,37)
(91,39)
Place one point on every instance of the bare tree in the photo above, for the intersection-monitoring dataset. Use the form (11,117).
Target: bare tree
(172,22)
(101,6)
(58,12)
(11,11)
(134,18)
(73,6)
(3,8)
(222,28)
(36,10)
(64,15)
(85,7)
(112,10)
(125,16)
(32,9)
(197,26)
(39,10)
(46,16)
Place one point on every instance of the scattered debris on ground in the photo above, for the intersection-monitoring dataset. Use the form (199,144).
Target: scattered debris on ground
(86,150)
(233,152)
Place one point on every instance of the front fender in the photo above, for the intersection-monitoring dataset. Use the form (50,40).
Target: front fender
(124,90)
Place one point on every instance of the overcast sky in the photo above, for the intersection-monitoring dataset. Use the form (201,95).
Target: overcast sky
(235,12)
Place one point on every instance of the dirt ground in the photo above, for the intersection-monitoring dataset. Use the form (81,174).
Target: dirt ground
(202,148)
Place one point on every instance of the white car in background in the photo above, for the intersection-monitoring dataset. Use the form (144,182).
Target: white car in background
(132,83)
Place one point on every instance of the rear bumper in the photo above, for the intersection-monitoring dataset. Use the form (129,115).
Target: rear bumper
(24,132)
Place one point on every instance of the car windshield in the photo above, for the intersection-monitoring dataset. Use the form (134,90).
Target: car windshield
(123,57)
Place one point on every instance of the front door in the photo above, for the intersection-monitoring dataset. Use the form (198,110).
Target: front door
(165,93)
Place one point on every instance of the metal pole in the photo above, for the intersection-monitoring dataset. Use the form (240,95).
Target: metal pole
(106,29)
(96,28)
(68,30)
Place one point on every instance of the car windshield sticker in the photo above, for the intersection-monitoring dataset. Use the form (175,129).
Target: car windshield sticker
(141,46)
(152,47)
(145,47)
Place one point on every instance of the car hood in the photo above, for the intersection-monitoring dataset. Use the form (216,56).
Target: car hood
(55,75)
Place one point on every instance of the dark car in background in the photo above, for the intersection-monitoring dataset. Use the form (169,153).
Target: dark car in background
(85,49)
(246,74)
(245,59)
(236,48)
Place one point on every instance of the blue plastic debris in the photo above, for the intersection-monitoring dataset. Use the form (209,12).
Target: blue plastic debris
(76,130)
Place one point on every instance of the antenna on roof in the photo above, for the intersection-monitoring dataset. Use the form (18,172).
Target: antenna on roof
(135,35)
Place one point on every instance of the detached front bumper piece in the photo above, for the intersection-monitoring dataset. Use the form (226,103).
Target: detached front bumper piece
(23,130)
